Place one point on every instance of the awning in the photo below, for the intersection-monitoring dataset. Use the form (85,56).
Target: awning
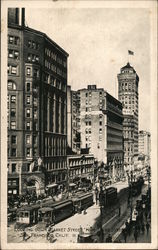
(72,184)
(52,185)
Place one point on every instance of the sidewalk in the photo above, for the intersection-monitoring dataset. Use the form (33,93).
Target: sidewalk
(142,238)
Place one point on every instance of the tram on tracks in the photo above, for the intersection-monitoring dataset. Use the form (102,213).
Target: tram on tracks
(82,202)
(27,215)
(109,196)
(51,212)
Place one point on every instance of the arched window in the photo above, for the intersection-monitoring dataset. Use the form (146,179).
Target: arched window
(11,85)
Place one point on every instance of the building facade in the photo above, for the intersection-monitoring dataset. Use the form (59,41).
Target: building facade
(80,168)
(144,143)
(73,119)
(101,128)
(37,108)
(128,94)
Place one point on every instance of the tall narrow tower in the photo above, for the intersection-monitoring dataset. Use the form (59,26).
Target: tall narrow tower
(128,94)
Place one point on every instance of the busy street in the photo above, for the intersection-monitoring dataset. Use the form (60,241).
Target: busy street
(94,224)
(78,153)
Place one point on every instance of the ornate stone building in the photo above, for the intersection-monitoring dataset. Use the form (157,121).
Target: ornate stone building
(128,94)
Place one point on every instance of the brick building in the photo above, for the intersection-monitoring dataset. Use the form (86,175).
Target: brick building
(37,108)
(101,128)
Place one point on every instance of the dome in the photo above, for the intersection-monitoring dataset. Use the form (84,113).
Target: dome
(128,67)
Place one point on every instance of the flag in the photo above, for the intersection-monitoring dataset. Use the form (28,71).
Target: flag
(130,52)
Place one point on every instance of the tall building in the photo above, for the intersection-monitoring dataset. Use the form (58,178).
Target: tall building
(128,94)
(101,127)
(144,143)
(73,119)
(37,108)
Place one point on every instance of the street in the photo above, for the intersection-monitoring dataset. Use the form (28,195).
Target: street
(68,230)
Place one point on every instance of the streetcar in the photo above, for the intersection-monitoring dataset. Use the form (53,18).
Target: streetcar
(27,215)
(53,212)
(109,196)
(82,202)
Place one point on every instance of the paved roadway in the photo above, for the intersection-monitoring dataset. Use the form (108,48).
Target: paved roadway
(67,230)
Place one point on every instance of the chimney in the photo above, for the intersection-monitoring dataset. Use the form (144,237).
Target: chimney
(16,16)
(13,16)
(23,17)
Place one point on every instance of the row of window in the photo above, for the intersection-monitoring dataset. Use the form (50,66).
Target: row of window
(79,171)
(55,146)
(54,56)
(128,97)
(28,139)
(11,85)
(55,82)
(28,87)
(32,72)
(55,69)
(80,162)
(33,45)
(13,69)
(89,94)
(31,100)
(33,58)
(13,40)
(13,54)
(55,165)
(127,71)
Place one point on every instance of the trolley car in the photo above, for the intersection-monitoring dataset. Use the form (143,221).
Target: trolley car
(82,202)
(27,215)
(109,196)
(52,213)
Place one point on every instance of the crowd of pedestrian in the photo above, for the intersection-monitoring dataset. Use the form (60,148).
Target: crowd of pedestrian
(139,227)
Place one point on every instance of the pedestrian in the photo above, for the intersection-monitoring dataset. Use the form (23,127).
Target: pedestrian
(138,228)
(135,235)
(143,228)
(124,231)
(101,234)
(119,211)
(24,235)
(126,223)
(129,229)
(48,233)
(84,212)
(146,215)
(109,238)
(147,227)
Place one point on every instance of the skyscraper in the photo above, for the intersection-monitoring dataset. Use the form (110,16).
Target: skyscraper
(128,94)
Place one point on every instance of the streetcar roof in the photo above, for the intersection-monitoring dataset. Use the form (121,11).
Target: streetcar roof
(46,209)
(54,203)
(28,208)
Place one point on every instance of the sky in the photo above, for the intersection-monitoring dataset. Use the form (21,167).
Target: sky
(97,41)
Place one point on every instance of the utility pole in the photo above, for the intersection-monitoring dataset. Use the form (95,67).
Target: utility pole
(101,197)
